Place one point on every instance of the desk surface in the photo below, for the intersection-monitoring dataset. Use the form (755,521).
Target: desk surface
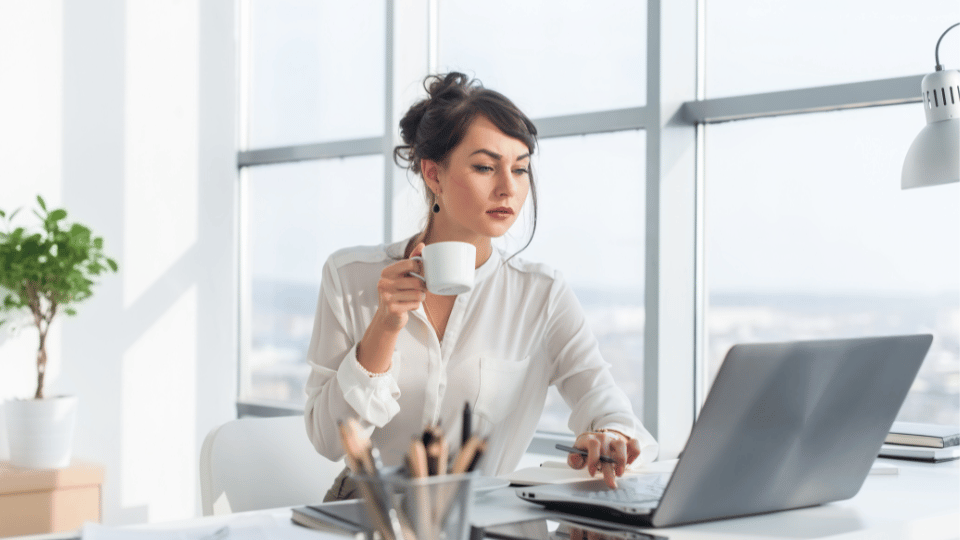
(922,501)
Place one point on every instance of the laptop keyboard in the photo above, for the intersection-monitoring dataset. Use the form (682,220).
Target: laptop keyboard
(631,491)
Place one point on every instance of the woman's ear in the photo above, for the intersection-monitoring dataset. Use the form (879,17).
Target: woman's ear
(431,174)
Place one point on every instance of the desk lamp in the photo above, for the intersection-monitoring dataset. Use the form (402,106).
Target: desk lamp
(934,156)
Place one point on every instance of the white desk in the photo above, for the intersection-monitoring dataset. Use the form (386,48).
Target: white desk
(922,501)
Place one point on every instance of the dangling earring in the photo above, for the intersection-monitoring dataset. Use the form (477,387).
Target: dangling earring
(436,205)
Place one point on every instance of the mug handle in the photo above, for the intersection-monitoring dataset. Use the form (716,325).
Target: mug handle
(414,274)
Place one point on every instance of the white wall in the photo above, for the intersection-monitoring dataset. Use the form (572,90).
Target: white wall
(124,113)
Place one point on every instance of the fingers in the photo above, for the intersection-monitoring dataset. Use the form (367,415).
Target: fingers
(576,461)
(399,293)
(608,444)
(633,450)
(592,446)
(618,450)
(609,474)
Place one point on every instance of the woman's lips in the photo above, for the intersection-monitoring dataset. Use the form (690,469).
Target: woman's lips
(502,211)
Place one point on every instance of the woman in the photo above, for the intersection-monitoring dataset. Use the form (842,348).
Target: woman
(399,358)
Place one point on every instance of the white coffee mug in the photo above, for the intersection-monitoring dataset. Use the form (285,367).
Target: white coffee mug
(448,267)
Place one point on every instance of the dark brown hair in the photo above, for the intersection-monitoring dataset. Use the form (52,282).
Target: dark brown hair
(434,126)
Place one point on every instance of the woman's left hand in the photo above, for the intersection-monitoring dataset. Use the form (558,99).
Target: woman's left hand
(622,449)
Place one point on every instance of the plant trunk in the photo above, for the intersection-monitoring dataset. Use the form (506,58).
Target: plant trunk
(41,365)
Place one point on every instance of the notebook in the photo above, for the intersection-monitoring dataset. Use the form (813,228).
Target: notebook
(924,434)
(785,425)
(920,453)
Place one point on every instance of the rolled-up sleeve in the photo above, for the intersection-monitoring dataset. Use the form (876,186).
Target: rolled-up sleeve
(374,398)
(337,386)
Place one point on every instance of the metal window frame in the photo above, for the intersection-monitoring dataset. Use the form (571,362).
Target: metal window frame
(674,118)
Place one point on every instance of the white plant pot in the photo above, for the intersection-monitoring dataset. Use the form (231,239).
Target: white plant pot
(40,431)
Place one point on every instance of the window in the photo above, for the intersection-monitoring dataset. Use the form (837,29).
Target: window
(311,77)
(807,232)
(804,247)
(550,57)
(299,213)
(756,46)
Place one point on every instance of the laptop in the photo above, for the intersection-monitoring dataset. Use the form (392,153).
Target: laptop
(785,425)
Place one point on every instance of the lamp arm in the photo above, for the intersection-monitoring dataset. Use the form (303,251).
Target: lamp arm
(936,52)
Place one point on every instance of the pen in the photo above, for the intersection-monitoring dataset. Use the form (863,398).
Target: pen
(467,421)
(582,452)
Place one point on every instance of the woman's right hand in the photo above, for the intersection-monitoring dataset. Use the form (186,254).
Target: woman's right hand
(399,292)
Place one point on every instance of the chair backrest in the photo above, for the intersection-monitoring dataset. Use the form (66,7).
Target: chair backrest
(259,463)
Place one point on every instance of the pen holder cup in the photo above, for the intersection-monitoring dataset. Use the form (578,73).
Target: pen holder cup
(431,508)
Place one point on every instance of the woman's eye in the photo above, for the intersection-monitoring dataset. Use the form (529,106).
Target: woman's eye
(482,168)
(521,171)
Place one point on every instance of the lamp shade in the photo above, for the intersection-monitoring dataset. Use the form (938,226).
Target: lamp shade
(934,156)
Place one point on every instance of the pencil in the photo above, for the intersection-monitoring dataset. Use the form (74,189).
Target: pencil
(417,463)
(437,450)
(374,505)
(465,457)
(417,459)
(477,456)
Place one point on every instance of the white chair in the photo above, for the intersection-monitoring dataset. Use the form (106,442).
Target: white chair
(259,463)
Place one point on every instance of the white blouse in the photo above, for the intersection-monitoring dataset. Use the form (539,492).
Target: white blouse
(520,330)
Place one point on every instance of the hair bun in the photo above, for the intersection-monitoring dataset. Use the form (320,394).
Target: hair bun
(453,86)
(435,125)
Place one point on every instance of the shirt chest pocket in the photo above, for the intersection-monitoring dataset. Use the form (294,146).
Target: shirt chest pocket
(501,386)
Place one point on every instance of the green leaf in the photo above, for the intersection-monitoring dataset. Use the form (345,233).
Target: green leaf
(70,311)
(78,230)
(42,204)
(112,264)
(3,214)
(57,214)
(98,243)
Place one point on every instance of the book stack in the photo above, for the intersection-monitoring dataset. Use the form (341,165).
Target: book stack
(922,442)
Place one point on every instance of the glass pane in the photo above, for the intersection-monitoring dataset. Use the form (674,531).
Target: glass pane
(810,236)
(590,227)
(761,46)
(550,57)
(299,214)
(312,77)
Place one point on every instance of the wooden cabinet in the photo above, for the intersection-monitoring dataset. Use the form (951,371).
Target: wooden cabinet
(34,501)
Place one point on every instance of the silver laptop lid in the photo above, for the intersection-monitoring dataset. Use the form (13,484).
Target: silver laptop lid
(785,425)
(788,425)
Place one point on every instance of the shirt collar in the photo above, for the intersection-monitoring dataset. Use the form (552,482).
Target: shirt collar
(489,267)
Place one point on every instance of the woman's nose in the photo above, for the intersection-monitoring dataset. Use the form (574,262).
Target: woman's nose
(506,184)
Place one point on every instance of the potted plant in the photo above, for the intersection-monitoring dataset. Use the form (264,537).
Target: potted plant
(45,271)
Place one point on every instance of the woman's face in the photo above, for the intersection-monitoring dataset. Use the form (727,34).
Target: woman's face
(481,187)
